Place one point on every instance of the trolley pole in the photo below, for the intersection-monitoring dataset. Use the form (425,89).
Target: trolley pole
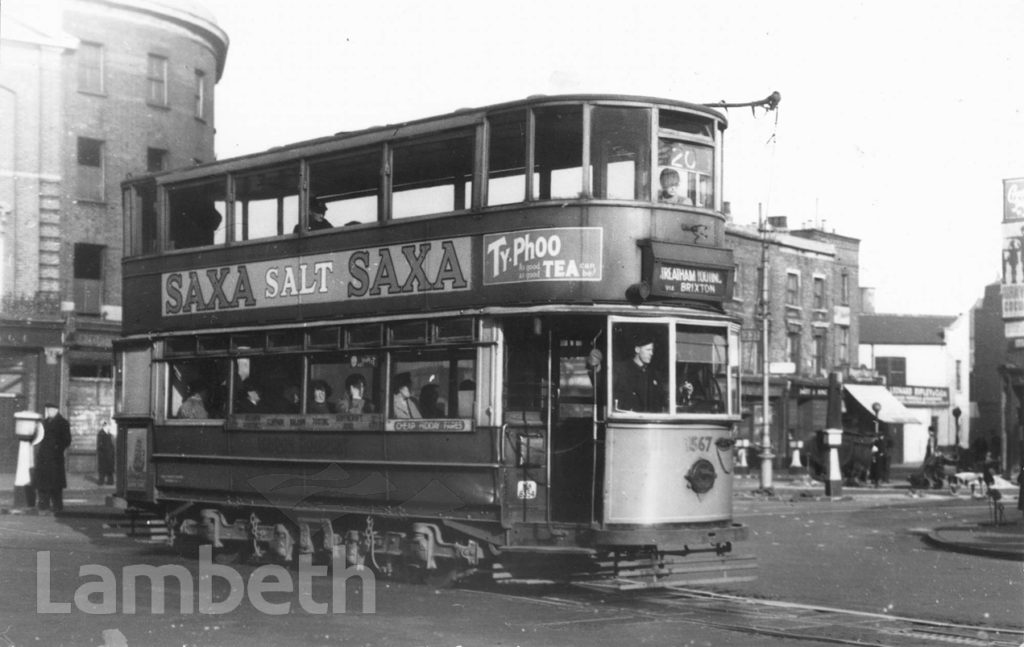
(766,430)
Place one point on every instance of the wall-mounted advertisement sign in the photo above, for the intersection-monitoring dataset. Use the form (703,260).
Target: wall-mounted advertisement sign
(556,254)
(397,270)
(921,396)
(1012,289)
(1013,199)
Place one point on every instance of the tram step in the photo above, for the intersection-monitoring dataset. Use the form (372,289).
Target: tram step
(711,569)
(144,526)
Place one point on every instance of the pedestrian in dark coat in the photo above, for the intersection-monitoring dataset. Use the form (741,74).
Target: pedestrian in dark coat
(105,455)
(50,478)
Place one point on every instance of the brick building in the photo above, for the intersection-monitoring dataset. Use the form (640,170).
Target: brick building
(90,91)
(813,307)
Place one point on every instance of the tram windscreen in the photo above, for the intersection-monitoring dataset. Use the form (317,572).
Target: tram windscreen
(702,363)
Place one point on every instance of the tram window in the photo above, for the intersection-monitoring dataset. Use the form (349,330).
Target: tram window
(640,356)
(266,203)
(180,346)
(506,168)
(143,218)
(284,339)
(687,123)
(558,169)
(453,329)
(323,337)
(198,388)
(197,214)
(277,381)
(702,369)
(340,379)
(365,335)
(409,333)
(349,186)
(213,343)
(247,341)
(692,165)
(619,153)
(525,367)
(432,176)
(432,383)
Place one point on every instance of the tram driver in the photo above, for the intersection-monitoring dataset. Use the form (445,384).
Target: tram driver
(638,386)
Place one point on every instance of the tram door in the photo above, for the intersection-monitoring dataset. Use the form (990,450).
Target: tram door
(549,405)
(574,420)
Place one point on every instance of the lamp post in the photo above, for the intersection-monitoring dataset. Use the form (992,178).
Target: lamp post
(766,431)
(956,419)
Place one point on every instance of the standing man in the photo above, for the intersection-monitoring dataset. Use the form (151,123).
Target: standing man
(50,478)
(638,386)
(105,454)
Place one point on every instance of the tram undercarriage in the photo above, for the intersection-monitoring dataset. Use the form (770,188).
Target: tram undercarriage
(432,552)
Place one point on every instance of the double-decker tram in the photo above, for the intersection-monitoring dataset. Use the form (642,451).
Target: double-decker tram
(493,339)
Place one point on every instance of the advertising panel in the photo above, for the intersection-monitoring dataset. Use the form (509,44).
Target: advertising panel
(398,270)
(556,254)
(1013,199)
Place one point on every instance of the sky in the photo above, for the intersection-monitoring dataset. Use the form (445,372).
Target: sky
(898,120)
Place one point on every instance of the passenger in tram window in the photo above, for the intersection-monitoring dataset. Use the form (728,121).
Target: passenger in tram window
(317,216)
(292,399)
(670,188)
(403,404)
(251,398)
(431,404)
(639,386)
(194,406)
(354,400)
(319,392)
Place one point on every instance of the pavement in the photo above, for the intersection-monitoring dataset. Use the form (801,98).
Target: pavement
(85,498)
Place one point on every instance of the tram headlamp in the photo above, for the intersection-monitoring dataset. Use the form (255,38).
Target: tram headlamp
(638,292)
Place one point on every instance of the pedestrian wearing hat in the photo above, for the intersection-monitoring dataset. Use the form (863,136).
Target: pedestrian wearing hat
(50,477)
(105,455)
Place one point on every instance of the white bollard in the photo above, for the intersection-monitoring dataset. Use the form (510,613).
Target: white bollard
(794,448)
(741,453)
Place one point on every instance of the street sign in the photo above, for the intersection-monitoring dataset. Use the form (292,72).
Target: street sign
(750,334)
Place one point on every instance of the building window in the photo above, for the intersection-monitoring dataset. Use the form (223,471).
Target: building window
(156,77)
(845,288)
(792,289)
(156,159)
(91,371)
(793,349)
(750,355)
(843,333)
(819,293)
(88,264)
(893,369)
(90,169)
(820,365)
(90,68)
(200,95)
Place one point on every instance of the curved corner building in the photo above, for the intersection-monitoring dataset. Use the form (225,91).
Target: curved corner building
(90,92)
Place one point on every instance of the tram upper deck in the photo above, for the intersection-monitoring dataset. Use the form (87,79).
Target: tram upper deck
(563,199)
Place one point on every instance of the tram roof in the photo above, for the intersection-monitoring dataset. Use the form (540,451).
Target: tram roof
(434,123)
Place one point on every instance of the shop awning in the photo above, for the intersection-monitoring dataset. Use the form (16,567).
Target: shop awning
(892,410)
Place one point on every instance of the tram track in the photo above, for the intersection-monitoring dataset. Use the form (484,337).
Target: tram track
(770,619)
